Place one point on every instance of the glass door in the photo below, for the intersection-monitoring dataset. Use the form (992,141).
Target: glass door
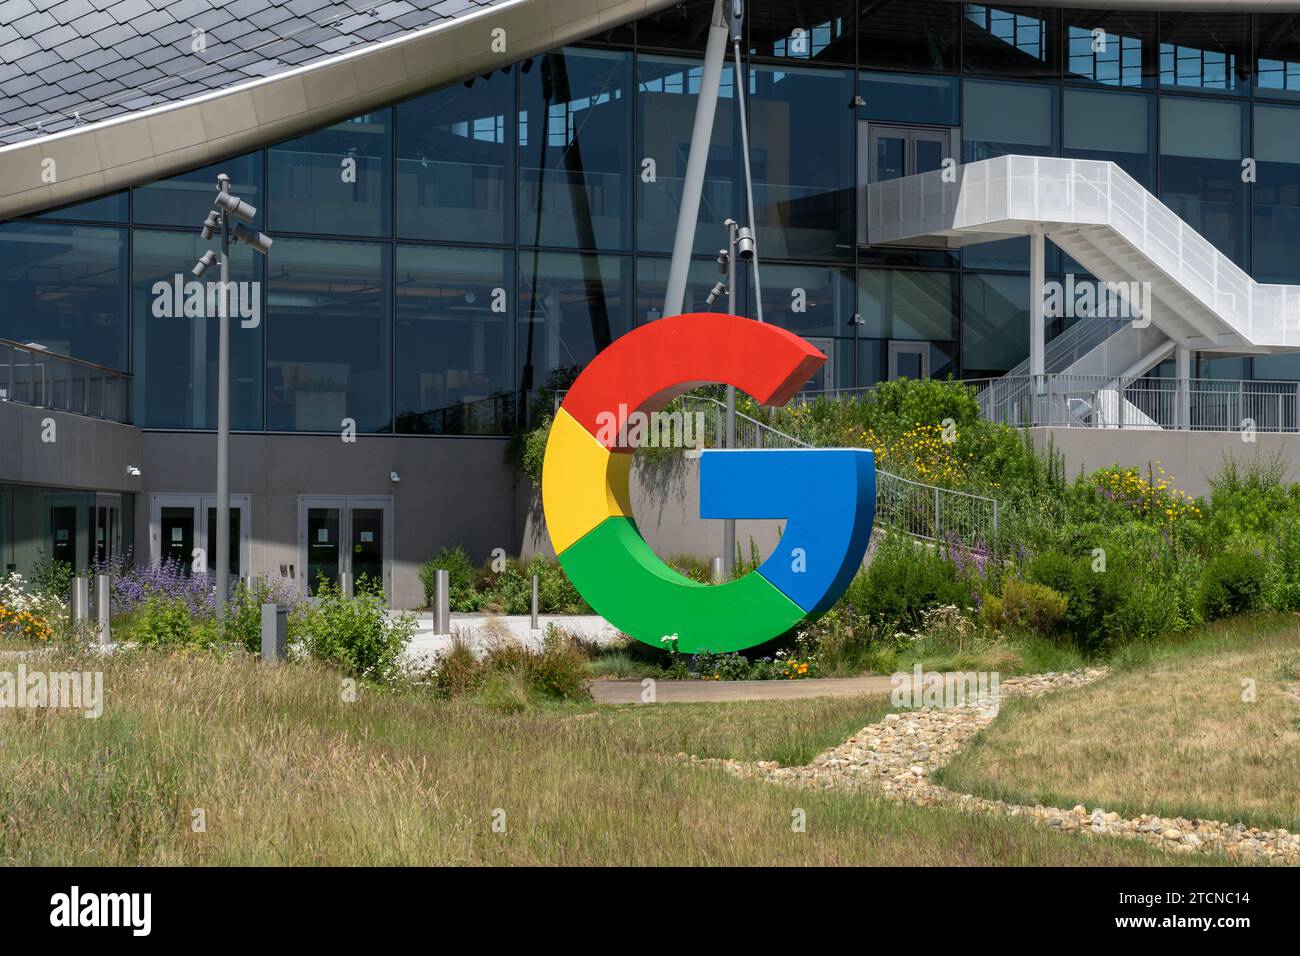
(183,529)
(909,360)
(62,537)
(888,152)
(347,542)
(824,380)
(108,528)
(320,544)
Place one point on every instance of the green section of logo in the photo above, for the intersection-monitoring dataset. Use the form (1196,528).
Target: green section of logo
(628,585)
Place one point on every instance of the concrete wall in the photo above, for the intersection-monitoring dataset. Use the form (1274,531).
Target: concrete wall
(1191,457)
(452,491)
(86,453)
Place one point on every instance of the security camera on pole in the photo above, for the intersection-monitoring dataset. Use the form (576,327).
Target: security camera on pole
(226,207)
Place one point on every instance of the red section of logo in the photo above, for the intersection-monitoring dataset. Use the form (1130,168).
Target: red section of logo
(691,350)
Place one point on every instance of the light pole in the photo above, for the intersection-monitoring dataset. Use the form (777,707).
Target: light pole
(226,206)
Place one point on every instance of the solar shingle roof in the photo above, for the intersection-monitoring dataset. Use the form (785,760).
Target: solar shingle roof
(65,63)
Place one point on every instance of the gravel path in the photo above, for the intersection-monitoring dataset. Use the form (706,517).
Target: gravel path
(896,757)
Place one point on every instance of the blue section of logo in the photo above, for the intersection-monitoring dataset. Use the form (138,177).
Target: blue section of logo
(827,498)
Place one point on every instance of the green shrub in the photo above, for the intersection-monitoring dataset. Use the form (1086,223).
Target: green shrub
(903,579)
(167,622)
(1233,583)
(455,560)
(510,675)
(1090,595)
(52,579)
(357,634)
(1025,605)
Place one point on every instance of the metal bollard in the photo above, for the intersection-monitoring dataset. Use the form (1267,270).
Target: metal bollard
(442,602)
(275,633)
(80,601)
(535,626)
(718,571)
(103,607)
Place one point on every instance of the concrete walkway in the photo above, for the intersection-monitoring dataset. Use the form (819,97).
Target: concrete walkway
(705,691)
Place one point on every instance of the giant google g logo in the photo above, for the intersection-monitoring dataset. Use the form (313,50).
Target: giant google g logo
(826,496)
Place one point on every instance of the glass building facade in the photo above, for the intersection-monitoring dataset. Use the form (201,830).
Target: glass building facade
(440,263)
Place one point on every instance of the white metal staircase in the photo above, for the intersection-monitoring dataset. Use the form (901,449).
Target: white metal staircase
(1119,232)
(1105,219)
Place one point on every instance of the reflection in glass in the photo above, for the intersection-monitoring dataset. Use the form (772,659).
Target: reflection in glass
(667,91)
(574,148)
(809,300)
(65,289)
(1014,41)
(334,181)
(1201,148)
(804,196)
(184,200)
(1111,47)
(905,304)
(1205,51)
(327,336)
(995,323)
(456,163)
(109,208)
(175,354)
(814,30)
(652,282)
(455,345)
(1277,55)
(909,34)
(570,307)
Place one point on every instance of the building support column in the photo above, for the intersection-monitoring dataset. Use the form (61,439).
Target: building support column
(1183,372)
(1037,322)
(688,214)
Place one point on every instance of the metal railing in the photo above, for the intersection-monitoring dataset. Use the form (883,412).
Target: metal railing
(1099,401)
(31,375)
(918,509)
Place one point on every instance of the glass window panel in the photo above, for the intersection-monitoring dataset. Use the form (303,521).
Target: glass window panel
(327,336)
(1277,194)
(176,353)
(802,153)
(817,30)
(995,324)
(652,282)
(1205,51)
(1273,368)
(1111,47)
(574,148)
(1277,55)
(184,200)
(667,92)
(904,98)
(109,208)
(808,300)
(65,288)
(1011,41)
(456,162)
(570,307)
(1119,127)
(1201,144)
(1003,118)
(909,34)
(899,304)
(334,181)
(455,347)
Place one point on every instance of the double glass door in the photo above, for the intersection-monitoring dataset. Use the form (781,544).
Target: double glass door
(888,152)
(347,542)
(183,530)
(108,528)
